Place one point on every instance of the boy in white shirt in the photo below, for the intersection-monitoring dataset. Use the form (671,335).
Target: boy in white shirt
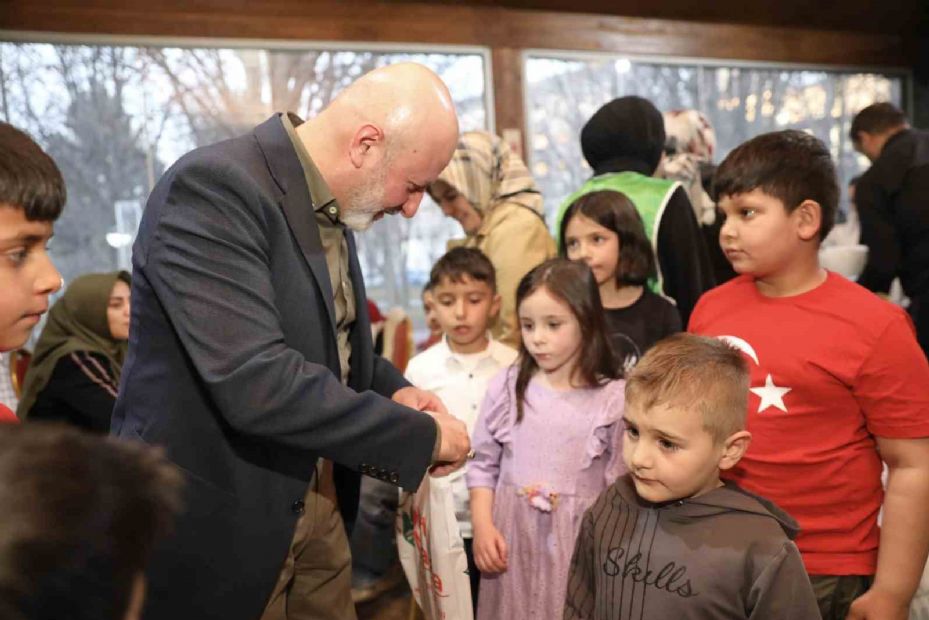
(458,367)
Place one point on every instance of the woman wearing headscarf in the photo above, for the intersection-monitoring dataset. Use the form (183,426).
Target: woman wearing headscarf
(74,374)
(689,149)
(623,142)
(489,190)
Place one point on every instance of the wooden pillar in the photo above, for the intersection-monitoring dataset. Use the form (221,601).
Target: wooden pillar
(508,96)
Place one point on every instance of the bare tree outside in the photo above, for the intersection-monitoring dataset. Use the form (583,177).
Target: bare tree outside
(115,117)
(72,100)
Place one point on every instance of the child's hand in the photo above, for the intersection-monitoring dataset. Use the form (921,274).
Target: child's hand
(490,550)
(877,605)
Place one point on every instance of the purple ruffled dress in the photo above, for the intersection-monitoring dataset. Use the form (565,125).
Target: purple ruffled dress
(545,471)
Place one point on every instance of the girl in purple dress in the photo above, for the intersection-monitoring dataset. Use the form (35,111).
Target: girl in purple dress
(547,442)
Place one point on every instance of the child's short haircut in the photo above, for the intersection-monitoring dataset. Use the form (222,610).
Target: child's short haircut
(694,373)
(789,165)
(460,262)
(81,514)
(876,118)
(29,178)
(614,210)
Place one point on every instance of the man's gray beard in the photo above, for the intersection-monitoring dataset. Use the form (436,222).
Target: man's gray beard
(357,219)
(364,203)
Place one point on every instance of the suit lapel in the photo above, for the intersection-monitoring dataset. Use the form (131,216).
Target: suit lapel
(296,203)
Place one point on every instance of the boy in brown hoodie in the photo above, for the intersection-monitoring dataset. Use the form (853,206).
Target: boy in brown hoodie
(670,539)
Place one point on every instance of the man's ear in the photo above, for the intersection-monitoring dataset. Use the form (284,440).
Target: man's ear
(809,217)
(734,448)
(366,138)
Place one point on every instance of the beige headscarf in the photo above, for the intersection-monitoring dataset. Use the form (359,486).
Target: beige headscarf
(488,173)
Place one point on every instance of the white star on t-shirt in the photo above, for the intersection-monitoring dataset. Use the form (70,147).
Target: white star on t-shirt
(771,395)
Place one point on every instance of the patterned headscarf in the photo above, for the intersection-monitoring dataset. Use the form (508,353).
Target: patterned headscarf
(689,132)
(486,172)
(690,145)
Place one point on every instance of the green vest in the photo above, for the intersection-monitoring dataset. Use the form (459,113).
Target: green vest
(649,195)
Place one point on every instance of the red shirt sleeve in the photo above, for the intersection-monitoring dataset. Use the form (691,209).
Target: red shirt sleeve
(694,325)
(7,416)
(891,385)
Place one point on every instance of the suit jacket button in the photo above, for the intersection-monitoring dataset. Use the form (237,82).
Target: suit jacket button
(394,478)
(297,507)
(365,469)
(382,474)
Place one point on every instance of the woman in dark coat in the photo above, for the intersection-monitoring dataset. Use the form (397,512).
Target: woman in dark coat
(74,374)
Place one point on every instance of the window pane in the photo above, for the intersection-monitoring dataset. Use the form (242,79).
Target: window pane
(741,102)
(115,117)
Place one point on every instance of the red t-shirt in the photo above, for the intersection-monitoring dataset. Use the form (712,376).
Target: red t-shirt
(830,369)
(7,415)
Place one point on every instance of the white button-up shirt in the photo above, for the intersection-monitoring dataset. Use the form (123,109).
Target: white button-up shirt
(460,381)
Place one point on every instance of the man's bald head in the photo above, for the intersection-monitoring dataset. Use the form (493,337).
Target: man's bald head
(406,99)
(383,140)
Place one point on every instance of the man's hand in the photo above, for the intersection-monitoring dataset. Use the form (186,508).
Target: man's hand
(877,605)
(454,442)
(420,400)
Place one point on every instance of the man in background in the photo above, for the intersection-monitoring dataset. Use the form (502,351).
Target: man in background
(893,206)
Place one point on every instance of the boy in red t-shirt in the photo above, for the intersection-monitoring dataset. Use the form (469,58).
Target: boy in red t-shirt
(838,382)
(32,195)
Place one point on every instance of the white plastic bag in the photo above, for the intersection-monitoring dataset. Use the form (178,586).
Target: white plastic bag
(432,552)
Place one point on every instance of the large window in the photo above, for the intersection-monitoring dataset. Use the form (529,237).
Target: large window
(741,101)
(115,117)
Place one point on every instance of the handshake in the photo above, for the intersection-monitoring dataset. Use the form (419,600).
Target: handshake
(454,446)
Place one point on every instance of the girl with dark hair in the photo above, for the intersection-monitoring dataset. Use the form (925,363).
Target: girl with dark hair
(604,230)
(623,142)
(545,445)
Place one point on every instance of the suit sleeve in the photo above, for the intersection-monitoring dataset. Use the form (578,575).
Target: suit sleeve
(387,379)
(682,254)
(878,233)
(782,591)
(581,594)
(209,266)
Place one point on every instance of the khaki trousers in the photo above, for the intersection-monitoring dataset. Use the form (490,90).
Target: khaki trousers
(835,594)
(316,579)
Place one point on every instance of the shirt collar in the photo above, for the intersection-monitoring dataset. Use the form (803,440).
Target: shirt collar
(320,194)
(451,356)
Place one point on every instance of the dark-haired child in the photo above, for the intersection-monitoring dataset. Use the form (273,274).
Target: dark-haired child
(546,444)
(32,195)
(81,515)
(604,230)
(458,367)
(432,322)
(838,382)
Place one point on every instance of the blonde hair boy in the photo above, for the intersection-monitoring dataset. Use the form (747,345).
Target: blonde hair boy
(670,539)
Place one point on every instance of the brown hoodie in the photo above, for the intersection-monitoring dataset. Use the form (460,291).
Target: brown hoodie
(725,554)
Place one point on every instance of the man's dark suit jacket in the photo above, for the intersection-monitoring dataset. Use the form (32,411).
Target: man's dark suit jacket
(233,369)
(893,205)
